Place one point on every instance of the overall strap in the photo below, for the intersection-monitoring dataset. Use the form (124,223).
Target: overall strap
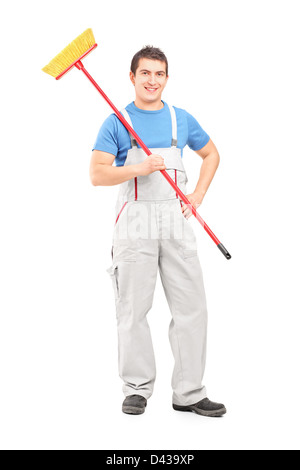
(174,125)
(127,117)
(174,136)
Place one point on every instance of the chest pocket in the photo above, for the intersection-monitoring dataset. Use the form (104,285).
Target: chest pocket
(155,187)
(175,168)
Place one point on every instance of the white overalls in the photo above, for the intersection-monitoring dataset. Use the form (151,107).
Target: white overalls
(150,233)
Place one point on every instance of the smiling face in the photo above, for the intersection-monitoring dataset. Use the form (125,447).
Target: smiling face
(149,80)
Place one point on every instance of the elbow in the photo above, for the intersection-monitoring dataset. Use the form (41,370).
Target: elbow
(216,157)
(99,176)
(94,180)
(95,177)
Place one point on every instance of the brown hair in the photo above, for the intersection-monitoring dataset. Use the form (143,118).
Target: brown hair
(148,52)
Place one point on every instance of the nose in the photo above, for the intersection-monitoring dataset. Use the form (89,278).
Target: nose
(151,79)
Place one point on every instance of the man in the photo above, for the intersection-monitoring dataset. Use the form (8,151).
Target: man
(152,234)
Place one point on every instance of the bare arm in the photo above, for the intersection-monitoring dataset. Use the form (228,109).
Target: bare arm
(103,173)
(211,160)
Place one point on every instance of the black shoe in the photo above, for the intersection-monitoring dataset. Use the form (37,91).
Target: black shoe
(134,405)
(204,408)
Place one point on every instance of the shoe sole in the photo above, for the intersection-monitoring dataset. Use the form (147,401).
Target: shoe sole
(132,410)
(209,414)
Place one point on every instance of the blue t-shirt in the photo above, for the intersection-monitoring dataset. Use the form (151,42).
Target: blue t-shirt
(153,127)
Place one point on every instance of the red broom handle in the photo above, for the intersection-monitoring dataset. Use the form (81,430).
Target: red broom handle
(81,67)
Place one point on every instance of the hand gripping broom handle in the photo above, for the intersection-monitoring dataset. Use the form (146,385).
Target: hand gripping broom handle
(221,247)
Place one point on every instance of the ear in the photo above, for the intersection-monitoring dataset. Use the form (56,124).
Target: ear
(132,77)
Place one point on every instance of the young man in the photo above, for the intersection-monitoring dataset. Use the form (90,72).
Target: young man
(152,233)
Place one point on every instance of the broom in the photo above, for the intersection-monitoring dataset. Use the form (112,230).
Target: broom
(71,57)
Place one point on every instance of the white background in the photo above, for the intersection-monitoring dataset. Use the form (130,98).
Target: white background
(233,65)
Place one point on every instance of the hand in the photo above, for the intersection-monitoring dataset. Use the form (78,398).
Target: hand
(152,163)
(195,201)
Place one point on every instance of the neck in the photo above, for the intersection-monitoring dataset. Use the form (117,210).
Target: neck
(154,106)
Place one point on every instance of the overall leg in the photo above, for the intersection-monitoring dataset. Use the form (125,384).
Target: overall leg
(134,273)
(182,280)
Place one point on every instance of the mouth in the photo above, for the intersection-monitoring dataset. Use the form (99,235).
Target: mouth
(151,90)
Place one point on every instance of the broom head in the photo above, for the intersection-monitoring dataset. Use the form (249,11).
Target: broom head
(71,54)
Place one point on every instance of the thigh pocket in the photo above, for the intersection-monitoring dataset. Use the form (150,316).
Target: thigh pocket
(189,253)
(189,244)
(114,274)
(124,250)
(124,254)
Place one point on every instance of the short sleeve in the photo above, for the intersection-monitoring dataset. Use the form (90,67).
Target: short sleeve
(107,138)
(197,137)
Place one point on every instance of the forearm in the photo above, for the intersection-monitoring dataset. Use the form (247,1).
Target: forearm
(107,175)
(207,172)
